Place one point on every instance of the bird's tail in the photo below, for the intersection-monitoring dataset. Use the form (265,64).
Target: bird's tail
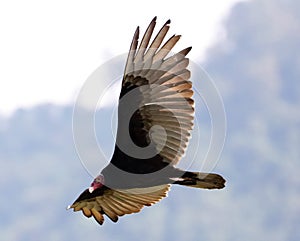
(201,180)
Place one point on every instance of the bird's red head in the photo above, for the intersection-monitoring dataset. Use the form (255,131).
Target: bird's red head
(97,183)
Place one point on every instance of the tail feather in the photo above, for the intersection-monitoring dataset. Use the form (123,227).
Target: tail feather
(202,180)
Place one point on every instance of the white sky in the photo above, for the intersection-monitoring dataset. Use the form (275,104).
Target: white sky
(48,49)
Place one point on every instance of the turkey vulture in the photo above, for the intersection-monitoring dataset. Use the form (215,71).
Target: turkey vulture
(155,119)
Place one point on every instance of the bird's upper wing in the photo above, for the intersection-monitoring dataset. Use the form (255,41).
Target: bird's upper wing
(157,84)
(115,203)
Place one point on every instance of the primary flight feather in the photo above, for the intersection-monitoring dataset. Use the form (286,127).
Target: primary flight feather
(155,119)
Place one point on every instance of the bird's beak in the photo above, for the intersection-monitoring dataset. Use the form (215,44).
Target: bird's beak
(91,189)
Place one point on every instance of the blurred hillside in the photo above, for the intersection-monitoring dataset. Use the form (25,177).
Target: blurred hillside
(256,70)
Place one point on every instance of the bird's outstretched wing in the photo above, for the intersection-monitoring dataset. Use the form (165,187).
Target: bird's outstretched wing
(115,203)
(155,104)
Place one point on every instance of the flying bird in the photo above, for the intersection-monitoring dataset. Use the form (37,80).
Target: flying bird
(155,120)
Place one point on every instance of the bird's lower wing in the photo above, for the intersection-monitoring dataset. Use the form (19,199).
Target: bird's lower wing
(115,203)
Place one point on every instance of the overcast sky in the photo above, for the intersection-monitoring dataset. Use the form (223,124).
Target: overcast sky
(48,49)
